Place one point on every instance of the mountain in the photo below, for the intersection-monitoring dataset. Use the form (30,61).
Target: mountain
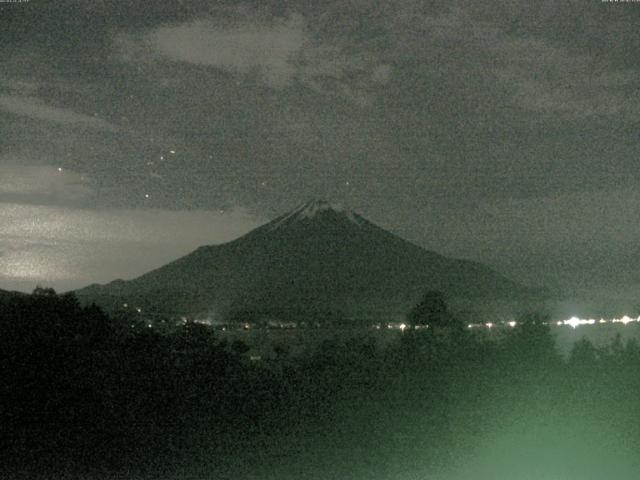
(6,295)
(319,257)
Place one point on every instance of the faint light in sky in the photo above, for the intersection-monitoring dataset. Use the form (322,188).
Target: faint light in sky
(34,262)
(64,247)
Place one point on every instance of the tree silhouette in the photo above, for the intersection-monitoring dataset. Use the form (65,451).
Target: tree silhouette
(583,354)
(433,311)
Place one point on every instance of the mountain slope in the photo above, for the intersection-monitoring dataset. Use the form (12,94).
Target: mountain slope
(8,295)
(317,257)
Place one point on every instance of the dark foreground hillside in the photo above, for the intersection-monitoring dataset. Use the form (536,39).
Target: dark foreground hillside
(87,396)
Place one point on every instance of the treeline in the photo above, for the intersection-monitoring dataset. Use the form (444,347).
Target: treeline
(87,396)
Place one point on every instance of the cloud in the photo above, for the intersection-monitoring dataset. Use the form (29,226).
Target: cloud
(71,247)
(587,237)
(39,183)
(334,69)
(564,83)
(282,52)
(599,220)
(538,72)
(35,108)
(267,49)
(381,74)
(18,86)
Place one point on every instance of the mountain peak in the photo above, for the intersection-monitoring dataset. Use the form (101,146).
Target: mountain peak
(314,209)
(319,257)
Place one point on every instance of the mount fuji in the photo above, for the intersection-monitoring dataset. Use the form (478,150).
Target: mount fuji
(317,258)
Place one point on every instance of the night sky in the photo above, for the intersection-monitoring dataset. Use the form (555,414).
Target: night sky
(502,131)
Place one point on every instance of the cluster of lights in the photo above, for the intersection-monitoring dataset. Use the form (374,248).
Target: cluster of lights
(491,325)
(202,321)
(402,326)
(573,322)
(137,309)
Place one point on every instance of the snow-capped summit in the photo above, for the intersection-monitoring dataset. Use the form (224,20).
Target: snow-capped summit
(310,209)
(315,209)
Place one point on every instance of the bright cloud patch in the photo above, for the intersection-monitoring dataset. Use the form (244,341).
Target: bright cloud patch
(64,247)
(43,182)
(267,49)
